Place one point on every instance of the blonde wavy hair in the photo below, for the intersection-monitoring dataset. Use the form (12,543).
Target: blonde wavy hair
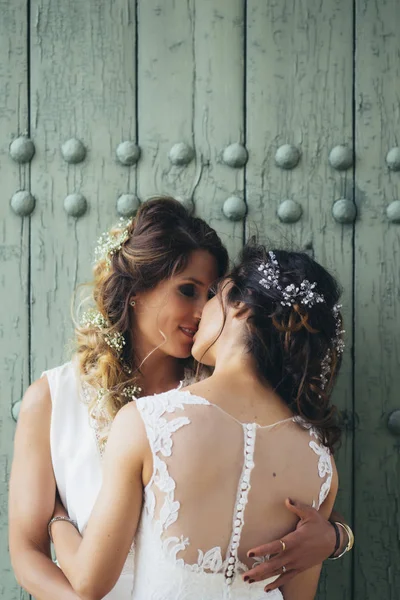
(156,245)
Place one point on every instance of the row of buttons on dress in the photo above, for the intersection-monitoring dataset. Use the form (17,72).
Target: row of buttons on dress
(243,494)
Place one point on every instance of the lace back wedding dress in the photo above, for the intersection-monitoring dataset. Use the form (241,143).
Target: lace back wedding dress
(217,490)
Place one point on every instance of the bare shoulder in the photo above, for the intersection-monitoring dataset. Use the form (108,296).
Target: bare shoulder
(37,399)
(128,429)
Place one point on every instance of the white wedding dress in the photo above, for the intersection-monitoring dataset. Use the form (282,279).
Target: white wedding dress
(76,458)
(217,489)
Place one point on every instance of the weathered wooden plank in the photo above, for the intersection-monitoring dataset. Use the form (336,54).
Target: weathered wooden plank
(14,256)
(299,92)
(83,86)
(166,88)
(219,114)
(377,293)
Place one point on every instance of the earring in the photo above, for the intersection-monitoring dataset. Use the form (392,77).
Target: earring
(132,303)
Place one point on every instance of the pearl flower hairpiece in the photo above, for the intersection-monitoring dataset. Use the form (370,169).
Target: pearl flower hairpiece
(307,295)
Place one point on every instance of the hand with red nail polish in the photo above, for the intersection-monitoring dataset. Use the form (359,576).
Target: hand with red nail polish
(307,546)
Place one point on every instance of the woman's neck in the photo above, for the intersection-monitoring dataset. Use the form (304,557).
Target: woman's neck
(160,373)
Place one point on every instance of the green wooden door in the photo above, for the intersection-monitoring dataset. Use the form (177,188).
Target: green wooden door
(271,117)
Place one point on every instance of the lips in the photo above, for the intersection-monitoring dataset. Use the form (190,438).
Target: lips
(189,331)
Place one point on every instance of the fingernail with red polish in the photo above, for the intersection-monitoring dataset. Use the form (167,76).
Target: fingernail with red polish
(251,580)
(251,554)
(291,501)
(246,578)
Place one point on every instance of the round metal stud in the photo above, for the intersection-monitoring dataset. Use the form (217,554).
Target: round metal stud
(128,153)
(341,157)
(181,154)
(344,211)
(187,203)
(127,205)
(393,159)
(289,211)
(16,407)
(73,151)
(75,205)
(23,203)
(22,149)
(234,208)
(287,156)
(235,156)
(393,211)
(394,422)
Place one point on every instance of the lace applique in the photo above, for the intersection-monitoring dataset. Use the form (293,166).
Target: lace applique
(324,470)
(159,431)
(324,462)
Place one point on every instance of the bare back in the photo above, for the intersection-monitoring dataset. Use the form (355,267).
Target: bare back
(218,489)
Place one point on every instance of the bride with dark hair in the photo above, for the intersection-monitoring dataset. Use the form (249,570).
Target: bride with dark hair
(199,475)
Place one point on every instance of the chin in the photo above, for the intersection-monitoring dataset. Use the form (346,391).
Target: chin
(180,352)
(198,354)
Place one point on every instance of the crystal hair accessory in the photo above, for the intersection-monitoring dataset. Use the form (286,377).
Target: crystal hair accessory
(291,294)
(109,244)
(307,295)
(338,345)
(94,318)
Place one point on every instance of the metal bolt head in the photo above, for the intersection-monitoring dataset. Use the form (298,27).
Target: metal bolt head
(75,205)
(393,159)
(289,211)
(394,422)
(344,211)
(128,153)
(181,154)
(16,407)
(393,211)
(235,156)
(127,205)
(23,203)
(341,157)
(73,151)
(234,208)
(22,149)
(287,156)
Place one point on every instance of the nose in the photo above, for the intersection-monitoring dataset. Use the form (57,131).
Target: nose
(200,304)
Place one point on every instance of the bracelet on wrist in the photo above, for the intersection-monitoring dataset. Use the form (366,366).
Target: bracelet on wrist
(337,540)
(54,519)
(350,536)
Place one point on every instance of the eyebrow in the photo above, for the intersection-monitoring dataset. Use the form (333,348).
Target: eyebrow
(196,281)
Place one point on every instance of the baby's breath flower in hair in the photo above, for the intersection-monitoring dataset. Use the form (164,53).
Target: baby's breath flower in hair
(94,318)
(109,244)
(131,392)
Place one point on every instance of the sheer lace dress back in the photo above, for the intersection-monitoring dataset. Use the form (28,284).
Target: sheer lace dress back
(218,489)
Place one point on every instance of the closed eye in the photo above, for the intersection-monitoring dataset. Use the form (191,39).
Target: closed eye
(188,290)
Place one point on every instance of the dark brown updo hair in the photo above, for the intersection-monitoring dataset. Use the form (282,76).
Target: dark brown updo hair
(289,343)
(157,245)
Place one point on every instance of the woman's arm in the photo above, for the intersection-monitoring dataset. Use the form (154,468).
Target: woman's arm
(31,500)
(93,563)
